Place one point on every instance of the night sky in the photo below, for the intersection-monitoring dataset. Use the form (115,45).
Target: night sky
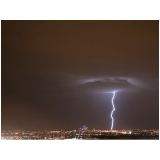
(62,74)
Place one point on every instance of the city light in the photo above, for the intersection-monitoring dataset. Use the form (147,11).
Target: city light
(80,134)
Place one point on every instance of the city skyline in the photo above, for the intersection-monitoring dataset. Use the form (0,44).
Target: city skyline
(62,74)
(82,133)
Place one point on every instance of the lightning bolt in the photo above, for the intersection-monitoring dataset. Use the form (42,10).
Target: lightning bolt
(112,111)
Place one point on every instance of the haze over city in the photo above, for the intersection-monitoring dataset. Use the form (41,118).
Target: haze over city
(62,74)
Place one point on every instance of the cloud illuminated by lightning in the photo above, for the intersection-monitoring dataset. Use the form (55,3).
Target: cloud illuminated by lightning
(112,111)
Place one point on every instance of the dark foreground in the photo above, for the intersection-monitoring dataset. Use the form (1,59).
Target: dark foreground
(103,137)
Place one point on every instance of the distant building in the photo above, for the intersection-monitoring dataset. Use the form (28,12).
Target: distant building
(84,128)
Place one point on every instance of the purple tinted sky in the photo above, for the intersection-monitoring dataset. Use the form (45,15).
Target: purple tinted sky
(61,74)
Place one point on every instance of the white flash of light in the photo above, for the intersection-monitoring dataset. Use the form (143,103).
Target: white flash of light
(112,111)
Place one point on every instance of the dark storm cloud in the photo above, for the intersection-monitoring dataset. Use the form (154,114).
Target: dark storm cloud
(110,84)
(107,84)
